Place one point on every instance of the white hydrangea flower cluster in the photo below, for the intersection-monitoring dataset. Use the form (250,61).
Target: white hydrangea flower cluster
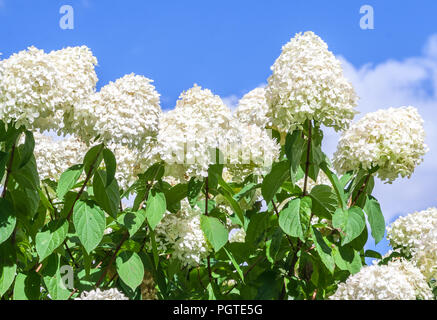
(125,112)
(237,235)
(398,280)
(53,157)
(36,88)
(393,139)
(111,294)
(182,234)
(253,109)
(249,149)
(307,83)
(425,255)
(190,133)
(407,231)
(416,235)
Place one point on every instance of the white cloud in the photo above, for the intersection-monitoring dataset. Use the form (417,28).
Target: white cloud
(412,81)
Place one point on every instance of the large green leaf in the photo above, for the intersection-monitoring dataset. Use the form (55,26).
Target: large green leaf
(26,149)
(273,181)
(324,201)
(27,286)
(68,179)
(351,221)
(90,223)
(155,208)
(294,146)
(346,258)
(289,219)
(110,165)
(8,266)
(53,279)
(108,197)
(51,237)
(215,232)
(130,268)
(133,220)
(376,219)
(8,220)
(93,158)
(322,248)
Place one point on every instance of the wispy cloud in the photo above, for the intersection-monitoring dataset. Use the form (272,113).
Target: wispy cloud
(412,81)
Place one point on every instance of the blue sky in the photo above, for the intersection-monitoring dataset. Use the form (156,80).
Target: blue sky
(229,46)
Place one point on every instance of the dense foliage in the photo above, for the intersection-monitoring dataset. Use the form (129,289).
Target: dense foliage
(142,204)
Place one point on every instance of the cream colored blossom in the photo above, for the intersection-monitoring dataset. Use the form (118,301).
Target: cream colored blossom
(111,294)
(125,112)
(398,280)
(190,134)
(237,235)
(37,89)
(393,139)
(307,83)
(415,235)
(181,234)
(249,149)
(253,109)
(53,157)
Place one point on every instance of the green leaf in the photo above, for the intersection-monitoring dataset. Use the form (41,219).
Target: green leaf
(68,179)
(350,221)
(93,158)
(234,205)
(3,159)
(7,220)
(372,254)
(27,286)
(324,251)
(51,237)
(335,183)
(274,245)
(155,208)
(376,218)
(154,173)
(324,201)
(130,268)
(110,165)
(108,197)
(273,181)
(133,221)
(294,146)
(27,176)
(257,229)
(289,219)
(236,265)
(193,191)
(8,267)
(215,232)
(174,196)
(90,223)
(26,149)
(54,280)
(346,258)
